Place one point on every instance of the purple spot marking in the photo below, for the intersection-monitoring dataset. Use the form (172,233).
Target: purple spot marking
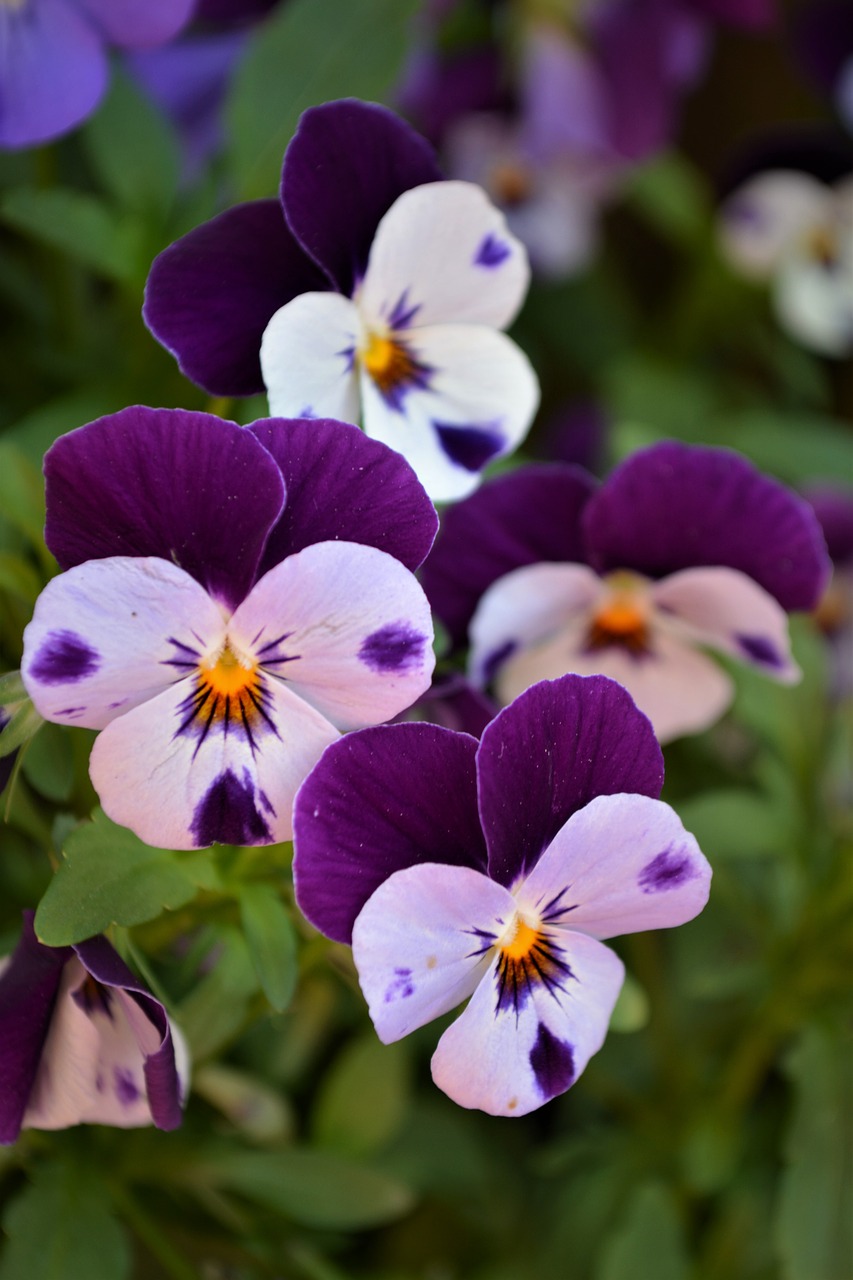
(760,649)
(347,354)
(496,659)
(401,987)
(553,1063)
(306,412)
(492,252)
(470,447)
(63,658)
(227,813)
(403,314)
(92,997)
(126,1090)
(669,870)
(266,802)
(71,711)
(395,647)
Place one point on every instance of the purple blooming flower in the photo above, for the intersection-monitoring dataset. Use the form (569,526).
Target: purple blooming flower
(81,1042)
(233,600)
(53,58)
(384,307)
(834,509)
(682,548)
(548,836)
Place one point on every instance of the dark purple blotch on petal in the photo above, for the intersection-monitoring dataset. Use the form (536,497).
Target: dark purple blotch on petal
(400,987)
(64,658)
(470,447)
(396,647)
(669,870)
(127,1091)
(495,660)
(553,1063)
(760,649)
(492,252)
(227,814)
(403,312)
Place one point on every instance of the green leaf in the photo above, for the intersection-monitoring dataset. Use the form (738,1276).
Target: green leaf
(21,493)
(24,723)
(302,56)
(215,1010)
(313,1188)
(127,125)
(36,431)
(62,1227)
(364,1098)
(79,226)
(814,1225)
(108,876)
(19,578)
(736,823)
(648,1243)
(631,1012)
(49,763)
(670,194)
(271,941)
(11,688)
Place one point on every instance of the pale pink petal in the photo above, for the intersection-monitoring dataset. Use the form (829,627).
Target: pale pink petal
(423,941)
(621,864)
(110,634)
(525,607)
(443,254)
(763,218)
(509,1061)
(727,610)
(346,627)
(307,358)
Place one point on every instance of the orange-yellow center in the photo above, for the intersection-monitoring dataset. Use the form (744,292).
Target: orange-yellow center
(228,686)
(621,615)
(622,618)
(510,183)
(822,245)
(521,942)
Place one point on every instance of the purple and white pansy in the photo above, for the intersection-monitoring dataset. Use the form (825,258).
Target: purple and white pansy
(82,1042)
(683,548)
(234,599)
(549,838)
(386,309)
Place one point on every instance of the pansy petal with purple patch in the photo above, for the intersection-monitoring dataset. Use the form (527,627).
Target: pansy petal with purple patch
(764,217)
(422,942)
(342,485)
(443,254)
(110,634)
(155,482)
(560,744)
(622,864)
(308,353)
(368,152)
(719,511)
(369,809)
(529,515)
(510,1060)
(211,294)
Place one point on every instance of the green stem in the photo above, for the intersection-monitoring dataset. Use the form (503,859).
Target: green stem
(174,1264)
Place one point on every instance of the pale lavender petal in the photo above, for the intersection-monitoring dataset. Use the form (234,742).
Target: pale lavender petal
(813,299)
(138,23)
(369,809)
(564,96)
(761,219)
(308,352)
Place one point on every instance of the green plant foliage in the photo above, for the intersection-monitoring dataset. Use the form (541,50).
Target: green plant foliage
(364,1099)
(648,1243)
(79,225)
(271,941)
(129,124)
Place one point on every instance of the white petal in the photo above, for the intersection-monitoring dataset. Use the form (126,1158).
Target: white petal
(621,864)
(525,607)
(727,610)
(107,635)
(815,301)
(444,249)
(762,218)
(422,942)
(509,1061)
(307,358)
(353,627)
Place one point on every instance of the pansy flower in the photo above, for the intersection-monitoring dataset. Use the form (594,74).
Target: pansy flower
(683,548)
(234,598)
(82,1042)
(833,507)
(548,836)
(383,308)
(54,67)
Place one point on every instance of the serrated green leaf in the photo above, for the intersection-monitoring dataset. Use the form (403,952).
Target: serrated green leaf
(271,941)
(648,1243)
(108,876)
(49,763)
(61,1227)
(127,124)
(303,56)
(24,723)
(80,226)
(364,1097)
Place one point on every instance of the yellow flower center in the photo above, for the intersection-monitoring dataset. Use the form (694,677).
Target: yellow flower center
(520,942)
(229,687)
(510,183)
(622,618)
(392,365)
(528,957)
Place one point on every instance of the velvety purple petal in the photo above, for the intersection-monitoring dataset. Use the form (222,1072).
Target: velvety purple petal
(160,1069)
(211,294)
(440,89)
(558,746)
(187,487)
(677,506)
(378,801)
(530,515)
(28,987)
(452,702)
(342,485)
(53,71)
(134,24)
(355,147)
(834,510)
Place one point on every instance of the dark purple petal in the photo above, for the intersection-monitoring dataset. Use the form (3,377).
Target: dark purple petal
(344,167)
(188,487)
(163,1088)
(577,434)
(438,90)
(211,294)
(452,702)
(378,801)
(343,486)
(529,515)
(28,988)
(834,510)
(676,506)
(558,746)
